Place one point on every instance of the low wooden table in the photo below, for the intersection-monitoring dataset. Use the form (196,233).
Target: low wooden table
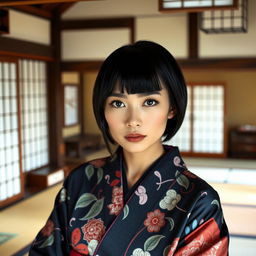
(45,177)
(76,144)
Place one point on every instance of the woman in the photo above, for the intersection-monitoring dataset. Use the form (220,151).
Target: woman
(141,200)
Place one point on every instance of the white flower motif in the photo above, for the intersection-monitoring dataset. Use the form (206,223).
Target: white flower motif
(140,252)
(170,200)
(92,246)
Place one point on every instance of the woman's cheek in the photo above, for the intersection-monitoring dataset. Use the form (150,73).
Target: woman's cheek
(113,118)
(157,119)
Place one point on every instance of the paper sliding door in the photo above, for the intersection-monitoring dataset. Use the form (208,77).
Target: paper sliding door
(11,179)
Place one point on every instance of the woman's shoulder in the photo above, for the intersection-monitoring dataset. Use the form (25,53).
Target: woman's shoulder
(199,186)
(85,171)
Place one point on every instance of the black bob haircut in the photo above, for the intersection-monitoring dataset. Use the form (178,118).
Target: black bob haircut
(136,68)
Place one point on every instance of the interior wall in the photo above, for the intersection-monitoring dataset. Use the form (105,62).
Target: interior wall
(95,44)
(29,28)
(240,93)
(90,125)
(169,31)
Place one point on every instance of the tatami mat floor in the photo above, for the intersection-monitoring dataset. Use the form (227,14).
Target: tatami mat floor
(25,219)
(239,204)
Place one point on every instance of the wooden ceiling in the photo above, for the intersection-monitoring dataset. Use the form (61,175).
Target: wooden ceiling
(29,2)
(42,8)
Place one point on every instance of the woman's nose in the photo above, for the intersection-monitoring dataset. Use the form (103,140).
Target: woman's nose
(133,118)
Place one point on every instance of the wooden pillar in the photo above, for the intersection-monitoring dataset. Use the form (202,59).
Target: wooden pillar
(81,100)
(56,97)
(192,35)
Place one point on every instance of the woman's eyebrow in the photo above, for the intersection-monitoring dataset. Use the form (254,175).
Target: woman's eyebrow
(119,95)
(143,94)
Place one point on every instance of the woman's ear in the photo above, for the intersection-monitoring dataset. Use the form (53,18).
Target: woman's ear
(171,113)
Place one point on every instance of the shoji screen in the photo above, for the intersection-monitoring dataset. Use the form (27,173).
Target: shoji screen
(208,123)
(203,129)
(10,168)
(34,128)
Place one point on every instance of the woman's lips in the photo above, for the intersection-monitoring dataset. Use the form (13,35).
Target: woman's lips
(135,137)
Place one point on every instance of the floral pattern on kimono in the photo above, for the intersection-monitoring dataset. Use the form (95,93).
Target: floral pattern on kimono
(169,211)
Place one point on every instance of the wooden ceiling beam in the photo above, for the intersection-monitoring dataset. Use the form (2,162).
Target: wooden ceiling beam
(33,10)
(45,10)
(218,63)
(185,64)
(7,3)
(49,7)
(25,49)
(97,23)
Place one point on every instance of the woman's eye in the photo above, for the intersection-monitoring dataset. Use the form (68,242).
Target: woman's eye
(150,102)
(117,104)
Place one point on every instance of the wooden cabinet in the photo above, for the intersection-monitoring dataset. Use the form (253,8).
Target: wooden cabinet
(242,144)
(76,144)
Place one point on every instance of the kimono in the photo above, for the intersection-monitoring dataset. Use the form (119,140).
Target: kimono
(168,211)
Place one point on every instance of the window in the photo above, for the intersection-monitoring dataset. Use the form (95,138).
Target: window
(195,5)
(203,130)
(225,21)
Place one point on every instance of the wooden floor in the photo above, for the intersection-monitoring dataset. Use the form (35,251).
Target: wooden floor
(238,201)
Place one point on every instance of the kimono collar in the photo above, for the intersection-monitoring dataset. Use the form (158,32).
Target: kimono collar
(145,199)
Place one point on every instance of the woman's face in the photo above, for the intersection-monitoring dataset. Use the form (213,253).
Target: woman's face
(137,121)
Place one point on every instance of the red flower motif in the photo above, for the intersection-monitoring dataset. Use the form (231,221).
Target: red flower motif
(98,162)
(115,208)
(93,229)
(206,241)
(80,249)
(48,228)
(118,174)
(155,220)
(117,195)
(76,236)
(117,201)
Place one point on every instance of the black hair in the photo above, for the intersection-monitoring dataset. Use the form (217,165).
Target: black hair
(136,68)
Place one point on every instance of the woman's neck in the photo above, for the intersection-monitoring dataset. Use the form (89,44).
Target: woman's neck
(138,163)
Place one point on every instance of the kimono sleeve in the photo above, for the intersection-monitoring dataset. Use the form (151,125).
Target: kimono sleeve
(205,232)
(52,238)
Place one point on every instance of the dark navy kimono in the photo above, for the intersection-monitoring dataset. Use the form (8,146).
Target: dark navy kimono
(169,211)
